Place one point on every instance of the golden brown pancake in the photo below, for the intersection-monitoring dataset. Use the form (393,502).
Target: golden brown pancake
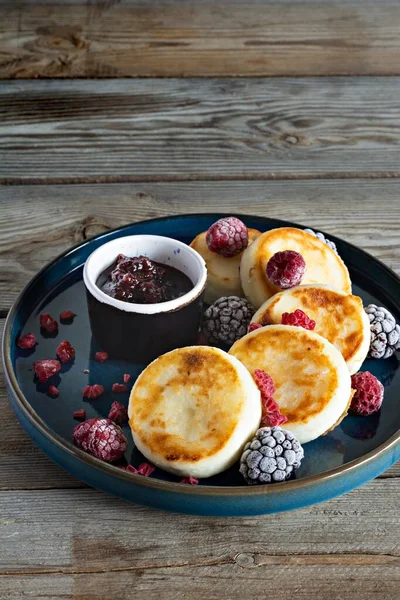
(322,264)
(192,410)
(313,386)
(339,317)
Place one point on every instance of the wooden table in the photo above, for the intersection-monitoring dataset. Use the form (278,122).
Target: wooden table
(161,108)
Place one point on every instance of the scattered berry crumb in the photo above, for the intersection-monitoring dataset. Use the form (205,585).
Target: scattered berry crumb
(27,342)
(101,438)
(65,351)
(130,469)
(286,269)
(48,323)
(80,414)
(189,480)
(368,395)
(86,371)
(273,419)
(127,377)
(53,391)
(101,356)
(92,391)
(298,318)
(67,315)
(119,388)
(228,237)
(118,412)
(264,383)
(46,368)
(254,326)
(146,469)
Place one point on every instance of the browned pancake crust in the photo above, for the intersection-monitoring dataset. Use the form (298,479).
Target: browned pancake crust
(340,307)
(212,375)
(261,340)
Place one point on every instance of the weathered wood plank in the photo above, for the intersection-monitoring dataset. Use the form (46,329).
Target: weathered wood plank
(174,39)
(39,222)
(157,129)
(98,547)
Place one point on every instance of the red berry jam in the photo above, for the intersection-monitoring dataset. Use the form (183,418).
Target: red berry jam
(143,281)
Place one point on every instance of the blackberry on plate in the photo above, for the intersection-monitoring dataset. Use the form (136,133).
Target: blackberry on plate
(273,455)
(227,320)
(321,237)
(385,332)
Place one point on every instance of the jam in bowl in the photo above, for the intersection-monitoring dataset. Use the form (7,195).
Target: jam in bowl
(145,296)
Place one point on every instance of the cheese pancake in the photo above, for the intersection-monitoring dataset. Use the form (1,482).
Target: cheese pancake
(192,410)
(312,381)
(322,264)
(339,317)
(223,273)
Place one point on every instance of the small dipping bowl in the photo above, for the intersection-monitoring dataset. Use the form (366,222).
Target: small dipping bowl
(141,332)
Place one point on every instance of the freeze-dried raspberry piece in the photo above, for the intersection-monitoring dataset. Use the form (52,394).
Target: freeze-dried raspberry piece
(67,316)
(189,480)
(48,323)
(80,414)
(127,377)
(92,391)
(118,412)
(298,318)
(101,356)
(53,391)
(46,368)
(119,388)
(65,351)
(27,342)
(145,469)
(254,326)
(264,383)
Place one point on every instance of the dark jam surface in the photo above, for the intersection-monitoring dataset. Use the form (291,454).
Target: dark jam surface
(143,281)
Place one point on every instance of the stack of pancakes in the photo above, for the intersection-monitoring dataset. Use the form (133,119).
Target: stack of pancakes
(192,410)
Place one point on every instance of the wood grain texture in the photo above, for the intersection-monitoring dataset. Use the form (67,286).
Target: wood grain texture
(39,222)
(157,129)
(86,545)
(181,39)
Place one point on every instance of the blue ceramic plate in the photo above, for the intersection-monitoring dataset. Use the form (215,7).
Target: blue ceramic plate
(358,450)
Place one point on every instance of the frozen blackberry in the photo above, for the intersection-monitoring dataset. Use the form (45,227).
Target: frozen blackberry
(271,456)
(227,320)
(321,237)
(385,332)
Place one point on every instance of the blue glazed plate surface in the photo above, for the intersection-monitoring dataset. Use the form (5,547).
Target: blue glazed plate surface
(356,451)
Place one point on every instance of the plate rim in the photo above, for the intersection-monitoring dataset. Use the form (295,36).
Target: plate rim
(155,483)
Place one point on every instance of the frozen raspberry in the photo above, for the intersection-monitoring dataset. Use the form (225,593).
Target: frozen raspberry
(127,377)
(145,469)
(286,269)
(118,412)
(101,438)
(53,391)
(101,356)
(264,383)
(80,414)
(228,237)
(67,315)
(27,342)
(368,395)
(46,368)
(298,318)
(254,326)
(189,480)
(119,388)
(48,323)
(65,351)
(92,391)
